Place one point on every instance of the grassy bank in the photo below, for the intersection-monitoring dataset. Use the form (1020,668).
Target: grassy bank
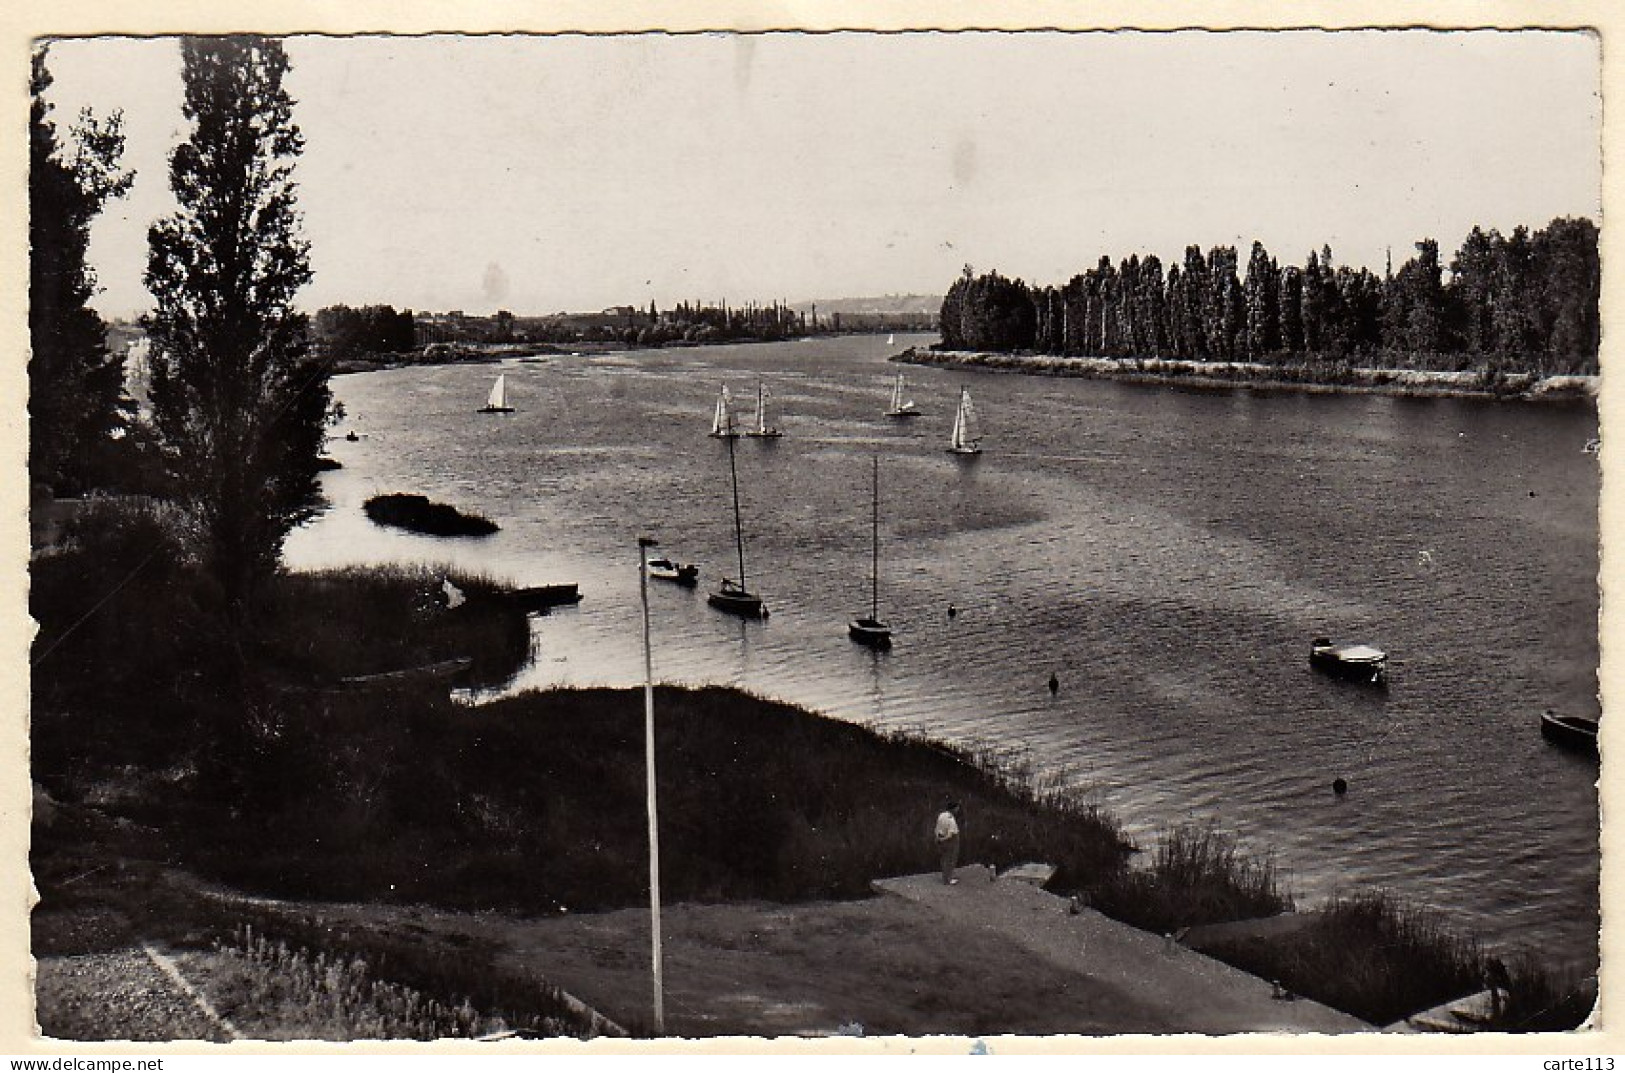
(1330,374)
(1375,956)
(1196,875)
(537,803)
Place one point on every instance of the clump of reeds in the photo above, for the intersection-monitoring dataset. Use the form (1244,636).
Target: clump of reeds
(1538,1000)
(1197,875)
(422,515)
(1370,955)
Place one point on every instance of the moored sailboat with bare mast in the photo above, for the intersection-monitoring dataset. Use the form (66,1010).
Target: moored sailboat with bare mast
(872,631)
(733,596)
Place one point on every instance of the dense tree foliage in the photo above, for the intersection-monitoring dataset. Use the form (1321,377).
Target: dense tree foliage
(239,406)
(76,386)
(344,332)
(1520,302)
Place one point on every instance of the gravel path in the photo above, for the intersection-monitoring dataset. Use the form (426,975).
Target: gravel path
(115,995)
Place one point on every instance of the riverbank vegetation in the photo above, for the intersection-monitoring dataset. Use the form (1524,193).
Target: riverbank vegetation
(1519,303)
(258,768)
(360,338)
(421,515)
(1303,376)
(1196,875)
(1381,959)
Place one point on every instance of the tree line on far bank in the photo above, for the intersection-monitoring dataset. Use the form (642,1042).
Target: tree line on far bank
(342,331)
(1524,302)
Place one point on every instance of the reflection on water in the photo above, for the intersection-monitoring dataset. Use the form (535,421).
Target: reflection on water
(1167,554)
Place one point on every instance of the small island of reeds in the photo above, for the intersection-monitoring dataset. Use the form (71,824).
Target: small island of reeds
(422,515)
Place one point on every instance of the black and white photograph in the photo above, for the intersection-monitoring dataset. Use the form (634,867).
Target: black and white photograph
(654,534)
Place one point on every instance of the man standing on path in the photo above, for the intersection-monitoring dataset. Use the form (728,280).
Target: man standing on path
(948,841)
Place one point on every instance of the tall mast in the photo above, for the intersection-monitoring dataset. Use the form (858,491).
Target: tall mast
(739,538)
(874,607)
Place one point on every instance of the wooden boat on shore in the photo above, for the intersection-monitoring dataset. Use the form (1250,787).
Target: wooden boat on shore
(664,569)
(733,596)
(872,631)
(1361,663)
(539,598)
(1569,731)
(497,402)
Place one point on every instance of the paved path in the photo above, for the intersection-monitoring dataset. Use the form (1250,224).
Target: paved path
(1193,992)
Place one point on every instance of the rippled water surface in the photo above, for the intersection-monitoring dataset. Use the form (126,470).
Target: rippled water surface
(1168,554)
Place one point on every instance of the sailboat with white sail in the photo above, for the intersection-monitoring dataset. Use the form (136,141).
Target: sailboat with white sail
(497,401)
(722,423)
(966,438)
(733,596)
(901,406)
(872,631)
(762,430)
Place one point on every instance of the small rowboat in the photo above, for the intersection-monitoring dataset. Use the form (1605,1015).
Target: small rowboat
(669,570)
(1361,663)
(1570,731)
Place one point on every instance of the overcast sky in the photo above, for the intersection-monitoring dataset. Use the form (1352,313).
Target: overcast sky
(539,174)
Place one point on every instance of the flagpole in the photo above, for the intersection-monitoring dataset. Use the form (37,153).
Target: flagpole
(644,544)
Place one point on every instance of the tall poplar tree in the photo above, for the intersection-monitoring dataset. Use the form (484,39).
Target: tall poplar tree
(239,408)
(76,387)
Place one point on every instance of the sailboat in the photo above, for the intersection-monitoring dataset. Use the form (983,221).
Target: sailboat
(733,596)
(722,424)
(871,631)
(891,340)
(762,430)
(497,403)
(967,434)
(901,407)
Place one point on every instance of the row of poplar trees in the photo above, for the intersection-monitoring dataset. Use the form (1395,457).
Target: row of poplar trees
(238,407)
(1521,302)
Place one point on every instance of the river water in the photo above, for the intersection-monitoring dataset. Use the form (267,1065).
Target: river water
(1168,554)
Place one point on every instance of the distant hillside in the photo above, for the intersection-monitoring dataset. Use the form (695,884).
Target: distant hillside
(886,305)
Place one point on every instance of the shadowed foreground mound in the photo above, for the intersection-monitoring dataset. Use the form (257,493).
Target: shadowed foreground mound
(538,802)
